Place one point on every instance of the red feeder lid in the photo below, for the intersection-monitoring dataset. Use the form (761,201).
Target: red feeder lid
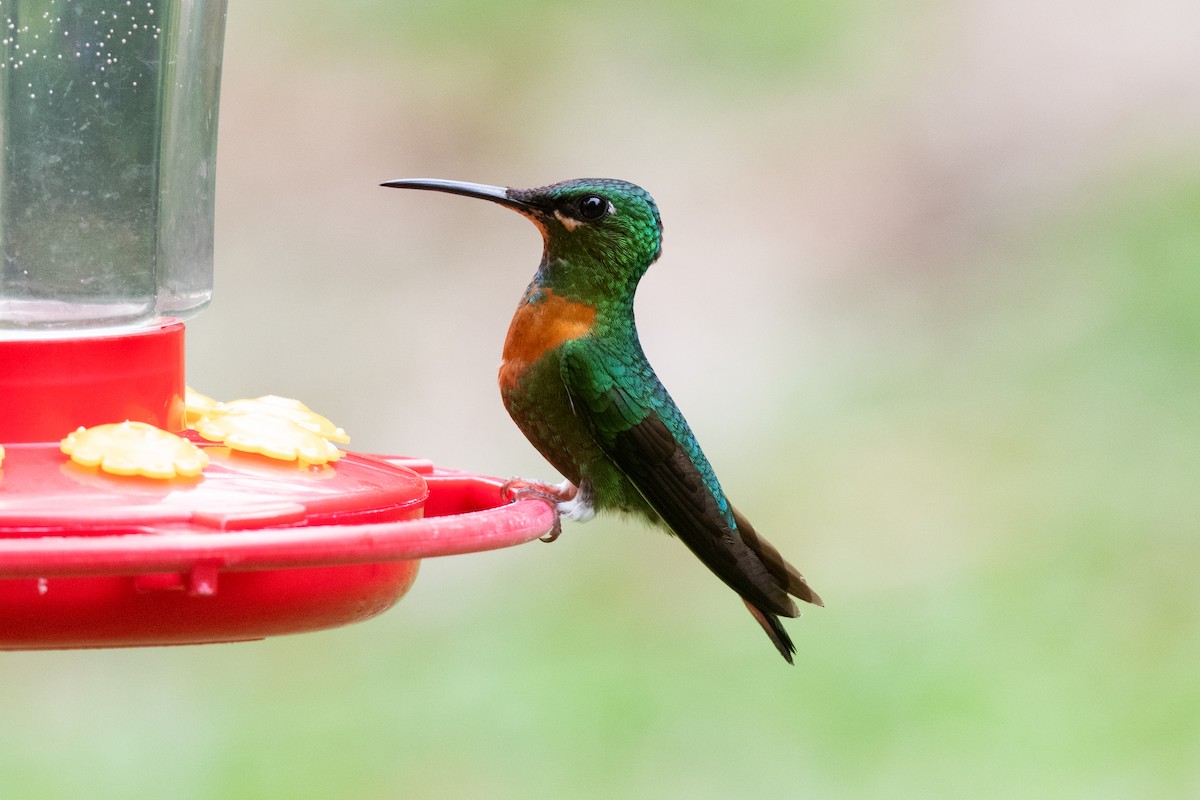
(51,386)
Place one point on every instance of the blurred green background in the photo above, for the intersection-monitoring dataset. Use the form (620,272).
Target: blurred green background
(931,299)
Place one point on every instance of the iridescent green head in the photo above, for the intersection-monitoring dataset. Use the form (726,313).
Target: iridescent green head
(600,234)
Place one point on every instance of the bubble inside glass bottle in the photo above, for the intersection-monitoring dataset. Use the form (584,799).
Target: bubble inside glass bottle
(108,123)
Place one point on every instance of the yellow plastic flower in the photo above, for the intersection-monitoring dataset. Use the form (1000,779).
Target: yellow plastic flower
(269,435)
(197,406)
(135,448)
(286,408)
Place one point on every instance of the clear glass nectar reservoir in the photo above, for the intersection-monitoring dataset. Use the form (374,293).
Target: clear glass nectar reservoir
(108,125)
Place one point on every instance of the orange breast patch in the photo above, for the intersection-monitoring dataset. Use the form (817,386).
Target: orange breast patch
(538,327)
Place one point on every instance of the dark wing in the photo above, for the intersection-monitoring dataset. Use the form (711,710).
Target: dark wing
(637,425)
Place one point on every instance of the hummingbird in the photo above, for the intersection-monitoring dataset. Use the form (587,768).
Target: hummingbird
(575,380)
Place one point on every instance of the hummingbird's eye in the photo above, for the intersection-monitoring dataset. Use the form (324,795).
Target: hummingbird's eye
(592,207)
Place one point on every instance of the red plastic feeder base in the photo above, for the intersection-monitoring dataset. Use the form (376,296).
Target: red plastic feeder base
(213,561)
(253,547)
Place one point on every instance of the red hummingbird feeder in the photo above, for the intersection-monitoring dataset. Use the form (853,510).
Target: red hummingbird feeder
(133,511)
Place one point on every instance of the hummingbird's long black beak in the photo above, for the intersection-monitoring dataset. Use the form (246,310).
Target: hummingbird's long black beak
(497,194)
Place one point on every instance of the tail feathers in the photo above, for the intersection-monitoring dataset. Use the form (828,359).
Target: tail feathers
(779,637)
(788,576)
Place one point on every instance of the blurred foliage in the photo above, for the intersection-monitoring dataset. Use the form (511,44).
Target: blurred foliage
(757,39)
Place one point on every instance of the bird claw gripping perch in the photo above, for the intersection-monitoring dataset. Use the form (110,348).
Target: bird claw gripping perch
(518,488)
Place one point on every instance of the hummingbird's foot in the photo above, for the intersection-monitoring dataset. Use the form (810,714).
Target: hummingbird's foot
(550,492)
(570,502)
(555,532)
(554,495)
